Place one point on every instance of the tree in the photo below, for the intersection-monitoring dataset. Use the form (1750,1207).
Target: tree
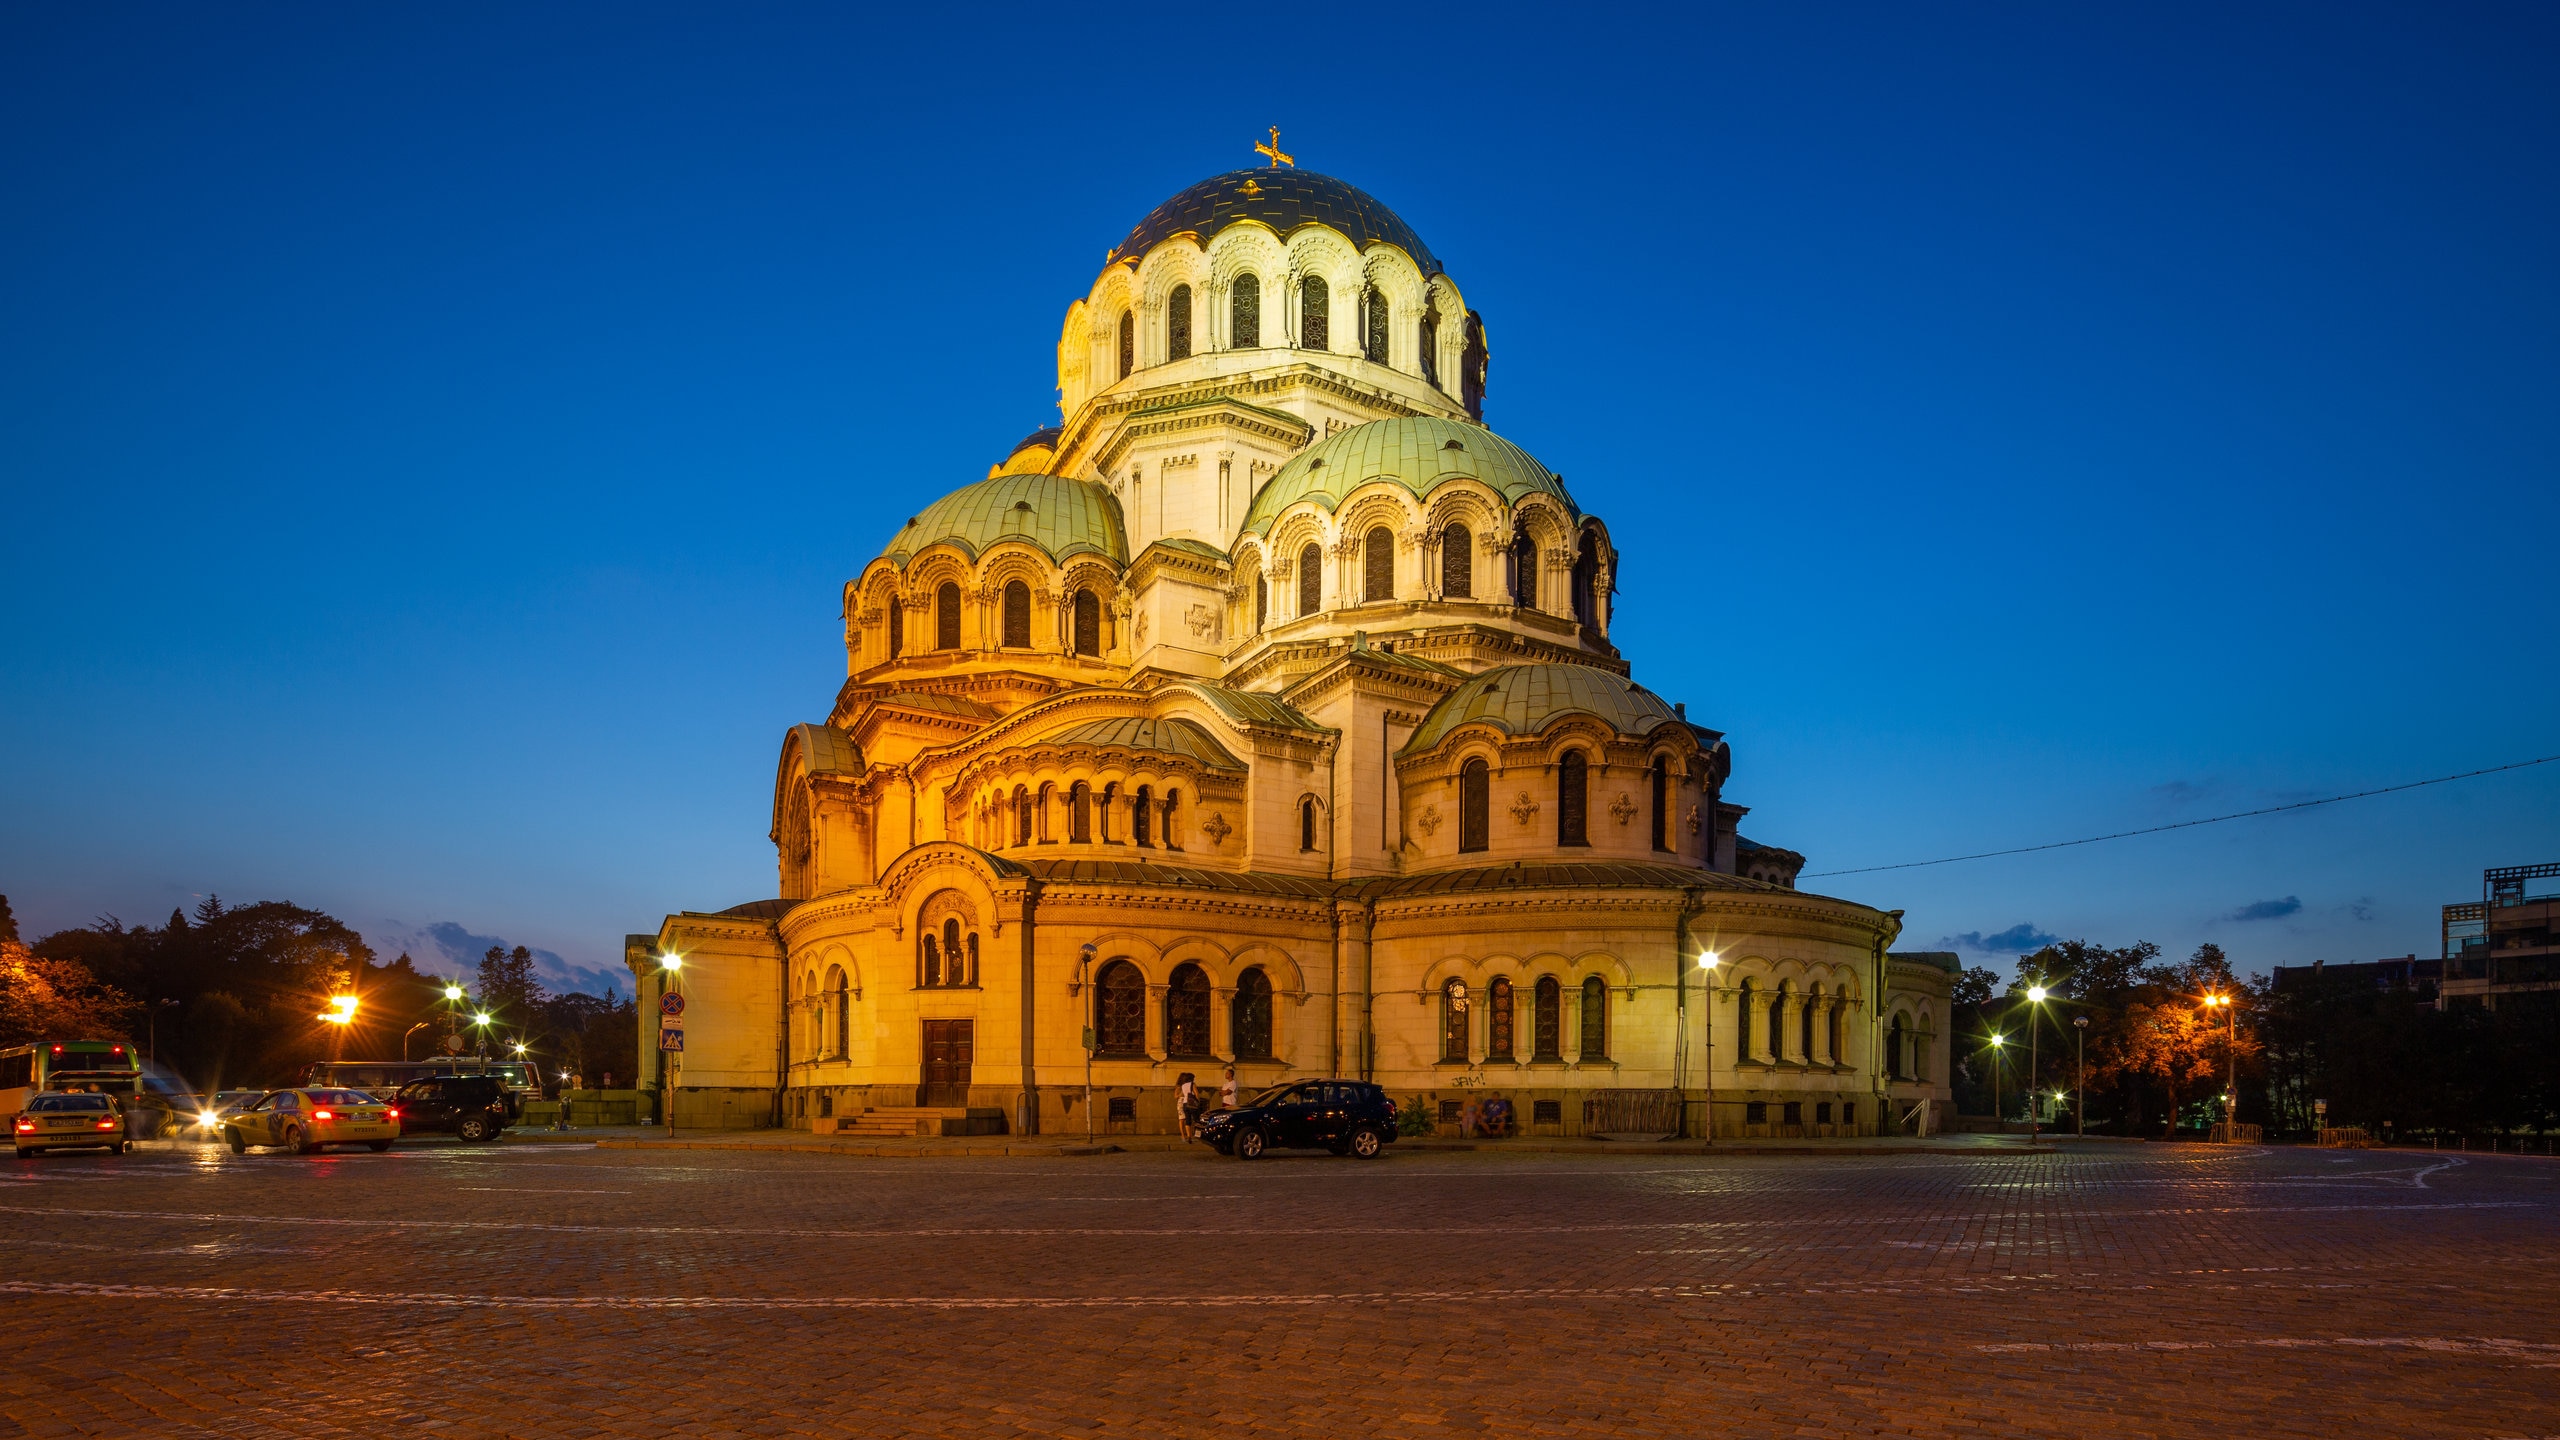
(508,988)
(8,920)
(46,998)
(1975,987)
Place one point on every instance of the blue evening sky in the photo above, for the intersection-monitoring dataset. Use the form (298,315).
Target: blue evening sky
(432,439)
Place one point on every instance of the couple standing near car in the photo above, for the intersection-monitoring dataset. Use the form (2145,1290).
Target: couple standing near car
(1190,1104)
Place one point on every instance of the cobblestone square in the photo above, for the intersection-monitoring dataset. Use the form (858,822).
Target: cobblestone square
(547,1290)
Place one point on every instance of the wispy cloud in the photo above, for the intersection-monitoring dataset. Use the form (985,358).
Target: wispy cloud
(2267,909)
(449,948)
(2184,792)
(2018,939)
(2362,909)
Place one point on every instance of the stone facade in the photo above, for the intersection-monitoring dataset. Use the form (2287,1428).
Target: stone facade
(1264,712)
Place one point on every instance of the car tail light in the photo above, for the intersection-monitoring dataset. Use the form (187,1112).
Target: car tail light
(25,1124)
(392,1113)
(107,1124)
(319,1114)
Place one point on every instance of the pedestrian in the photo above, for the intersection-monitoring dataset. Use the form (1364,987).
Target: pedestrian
(1227,1091)
(1186,1094)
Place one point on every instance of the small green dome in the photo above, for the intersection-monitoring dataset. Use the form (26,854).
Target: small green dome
(1418,452)
(1063,517)
(1526,699)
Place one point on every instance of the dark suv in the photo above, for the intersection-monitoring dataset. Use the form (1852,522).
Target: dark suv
(471,1108)
(1347,1117)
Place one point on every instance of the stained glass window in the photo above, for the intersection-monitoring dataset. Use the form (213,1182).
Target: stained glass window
(1374,343)
(1475,799)
(1453,1023)
(1128,343)
(1120,1010)
(1573,799)
(1310,579)
(1251,1017)
(1524,571)
(1186,1012)
(1546,1026)
(946,617)
(1088,623)
(1017,615)
(1497,1020)
(1378,565)
(1244,313)
(1314,314)
(1457,563)
(1595,1019)
(1177,324)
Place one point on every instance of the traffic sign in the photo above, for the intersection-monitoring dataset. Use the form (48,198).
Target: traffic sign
(671,1037)
(671,1005)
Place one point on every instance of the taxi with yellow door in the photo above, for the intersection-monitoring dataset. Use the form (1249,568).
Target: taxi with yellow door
(307,1121)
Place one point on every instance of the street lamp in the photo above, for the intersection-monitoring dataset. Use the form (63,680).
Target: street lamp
(2080,1096)
(1997,1040)
(452,993)
(2231,1063)
(2035,1032)
(1708,962)
(670,965)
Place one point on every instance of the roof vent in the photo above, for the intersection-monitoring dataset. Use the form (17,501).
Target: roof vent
(1451,445)
(1022,505)
(1316,464)
(911,521)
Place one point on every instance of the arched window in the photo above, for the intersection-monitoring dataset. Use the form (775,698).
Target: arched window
(1373,344)
(1378,565)
(946,617)
(1453,1021)
(1021,816)
(1498,1043)
(1244,313)
(953,971)
(1804,1016)
(1457,563)
(1471,368)
(1586,580)
(1120,1010)
(929,968)
(1310,579)
(1177,324)
(1431,344)
(1128,343)
(1017,615)
(1251,1020)
(1893,1049)
(1040,814)
(1595,1019)
(1315,331)
(1142,816)
(1475,806)
(1172,803)
(1524,571)
(897,628)
(1661,803)
(1546,1023)
(1742,1022)
(1102,806)
(1088,623)
(1831,1031)
(1186,1012)
(1079,814)
(1307,824)
(1776,1033)
(1261,601)
(839,1016)
(1573,799)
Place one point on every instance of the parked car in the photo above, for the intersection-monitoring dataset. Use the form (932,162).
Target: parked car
(471,1108)
(84,1121)
(1347,1117)
(308,1121)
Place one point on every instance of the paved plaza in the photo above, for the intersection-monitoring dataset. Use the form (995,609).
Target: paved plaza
(550,1290)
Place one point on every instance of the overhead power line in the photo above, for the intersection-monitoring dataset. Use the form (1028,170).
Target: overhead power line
(2190,824)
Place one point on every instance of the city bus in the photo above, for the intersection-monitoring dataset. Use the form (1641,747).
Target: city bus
(381,1077)
(109,1066)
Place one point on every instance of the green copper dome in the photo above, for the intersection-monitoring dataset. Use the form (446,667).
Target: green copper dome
(1417,452)
(1526,699)
(1063,517)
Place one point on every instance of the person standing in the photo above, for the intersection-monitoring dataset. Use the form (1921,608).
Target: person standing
(1227,1091)
(1186,1098)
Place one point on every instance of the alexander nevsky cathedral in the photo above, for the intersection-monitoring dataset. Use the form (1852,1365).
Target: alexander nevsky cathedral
(1264,713)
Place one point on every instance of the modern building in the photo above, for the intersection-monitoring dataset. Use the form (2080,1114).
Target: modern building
(2508,941)
(2406,972)
(1265,711)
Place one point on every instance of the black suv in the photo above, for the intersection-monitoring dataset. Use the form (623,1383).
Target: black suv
(1347,1117)
(470,1108)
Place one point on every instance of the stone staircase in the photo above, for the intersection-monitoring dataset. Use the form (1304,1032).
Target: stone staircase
(909,1122)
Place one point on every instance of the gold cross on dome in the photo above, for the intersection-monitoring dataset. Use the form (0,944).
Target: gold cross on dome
(1278,159)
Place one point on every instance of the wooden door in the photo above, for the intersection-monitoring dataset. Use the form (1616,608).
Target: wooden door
(947,1044)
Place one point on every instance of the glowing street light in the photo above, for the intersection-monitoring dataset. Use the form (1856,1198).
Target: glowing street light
(452,993)
(1710,960)
(483,1018)
(2221,1000)
(671,962)
(342,1010)
(2035,1032)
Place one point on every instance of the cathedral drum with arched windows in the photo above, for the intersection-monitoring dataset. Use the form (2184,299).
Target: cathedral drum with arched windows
(1265,712)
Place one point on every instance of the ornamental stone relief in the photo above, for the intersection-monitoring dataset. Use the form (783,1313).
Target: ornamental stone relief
(1623,808)
(1524,809)
(1217,829)
(1428,822)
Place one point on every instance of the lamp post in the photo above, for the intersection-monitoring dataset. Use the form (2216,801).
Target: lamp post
(670,1062)
(1708,962)
(412,1030)
(1996,1114)
(452,1018)
(341,1013)
(2080,1093)
(1084,969)
(2231,1065)
(2035,1007)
